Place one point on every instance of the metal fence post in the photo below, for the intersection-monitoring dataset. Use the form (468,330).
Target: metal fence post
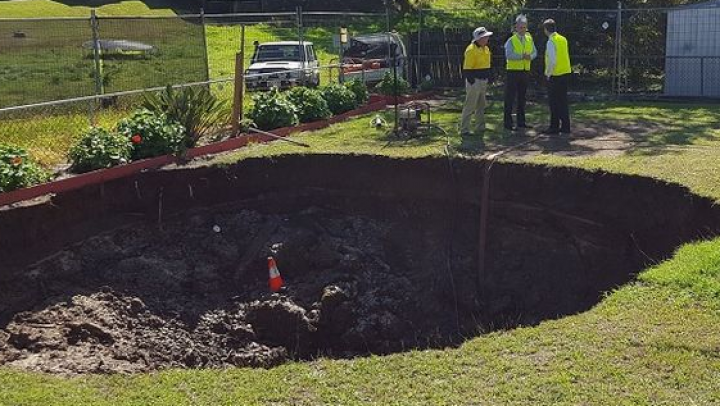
(702,76)
(418,72)
(97,64)
(387,25)
(205,48)
(618,38)
(390,57)
(242,73)
(341,49)
(301,45)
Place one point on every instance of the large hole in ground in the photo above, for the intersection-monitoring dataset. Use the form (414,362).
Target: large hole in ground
(169,269)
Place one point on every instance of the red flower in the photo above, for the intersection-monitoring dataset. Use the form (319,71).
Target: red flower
(136,139)
(17,161)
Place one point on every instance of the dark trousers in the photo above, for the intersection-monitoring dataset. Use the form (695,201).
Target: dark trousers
(559,109)
(516,85)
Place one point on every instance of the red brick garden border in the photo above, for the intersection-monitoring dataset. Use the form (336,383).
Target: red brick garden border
(100,176)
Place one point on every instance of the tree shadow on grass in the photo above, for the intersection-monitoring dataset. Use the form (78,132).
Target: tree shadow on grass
(654,133)
(599,129)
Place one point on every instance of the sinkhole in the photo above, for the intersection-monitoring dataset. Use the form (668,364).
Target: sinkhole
(168,269)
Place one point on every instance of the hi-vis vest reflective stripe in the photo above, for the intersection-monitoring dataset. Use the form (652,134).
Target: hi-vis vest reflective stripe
(519,49)
(562,54)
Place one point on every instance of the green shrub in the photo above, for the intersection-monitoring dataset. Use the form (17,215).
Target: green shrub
(360,91)
(309,103)
(152,134)
(198,110)
(18,170)
(272,110)
(388,85)
(99,149)
(339,98)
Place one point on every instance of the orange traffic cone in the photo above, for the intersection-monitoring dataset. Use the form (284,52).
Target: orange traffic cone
(276,282)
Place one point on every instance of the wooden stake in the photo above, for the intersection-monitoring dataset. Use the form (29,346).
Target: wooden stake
(484,206)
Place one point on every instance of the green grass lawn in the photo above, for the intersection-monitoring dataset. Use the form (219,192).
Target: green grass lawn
(51,62)
(50,135)
(682,145)
(652,342)
(49,8)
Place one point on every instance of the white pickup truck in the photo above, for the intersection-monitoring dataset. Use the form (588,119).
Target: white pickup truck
(283,65)
(368,57)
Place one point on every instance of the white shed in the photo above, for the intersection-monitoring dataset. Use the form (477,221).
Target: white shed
(692,56)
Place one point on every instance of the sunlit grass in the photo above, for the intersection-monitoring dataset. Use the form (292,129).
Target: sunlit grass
(49,8)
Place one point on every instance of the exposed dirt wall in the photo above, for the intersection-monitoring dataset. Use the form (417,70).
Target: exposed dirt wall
(659,215)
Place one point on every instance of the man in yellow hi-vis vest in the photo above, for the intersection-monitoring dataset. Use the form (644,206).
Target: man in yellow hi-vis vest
(520,51)
(476,71)
(557,70)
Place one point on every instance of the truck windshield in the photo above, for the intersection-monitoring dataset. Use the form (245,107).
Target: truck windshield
(267,53)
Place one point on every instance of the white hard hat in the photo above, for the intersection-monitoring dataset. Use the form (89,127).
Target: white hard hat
(481,32)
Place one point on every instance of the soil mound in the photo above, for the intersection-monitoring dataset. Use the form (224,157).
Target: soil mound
(141,299)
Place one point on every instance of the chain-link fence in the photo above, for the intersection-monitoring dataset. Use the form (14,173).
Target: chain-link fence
(649,51)
(61,76)
(321,29)
(48,130)
(592,38)
(54,59)
(43,60)
(95,61)
(437,40)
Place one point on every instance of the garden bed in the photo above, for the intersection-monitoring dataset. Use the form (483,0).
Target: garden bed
(70,181)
